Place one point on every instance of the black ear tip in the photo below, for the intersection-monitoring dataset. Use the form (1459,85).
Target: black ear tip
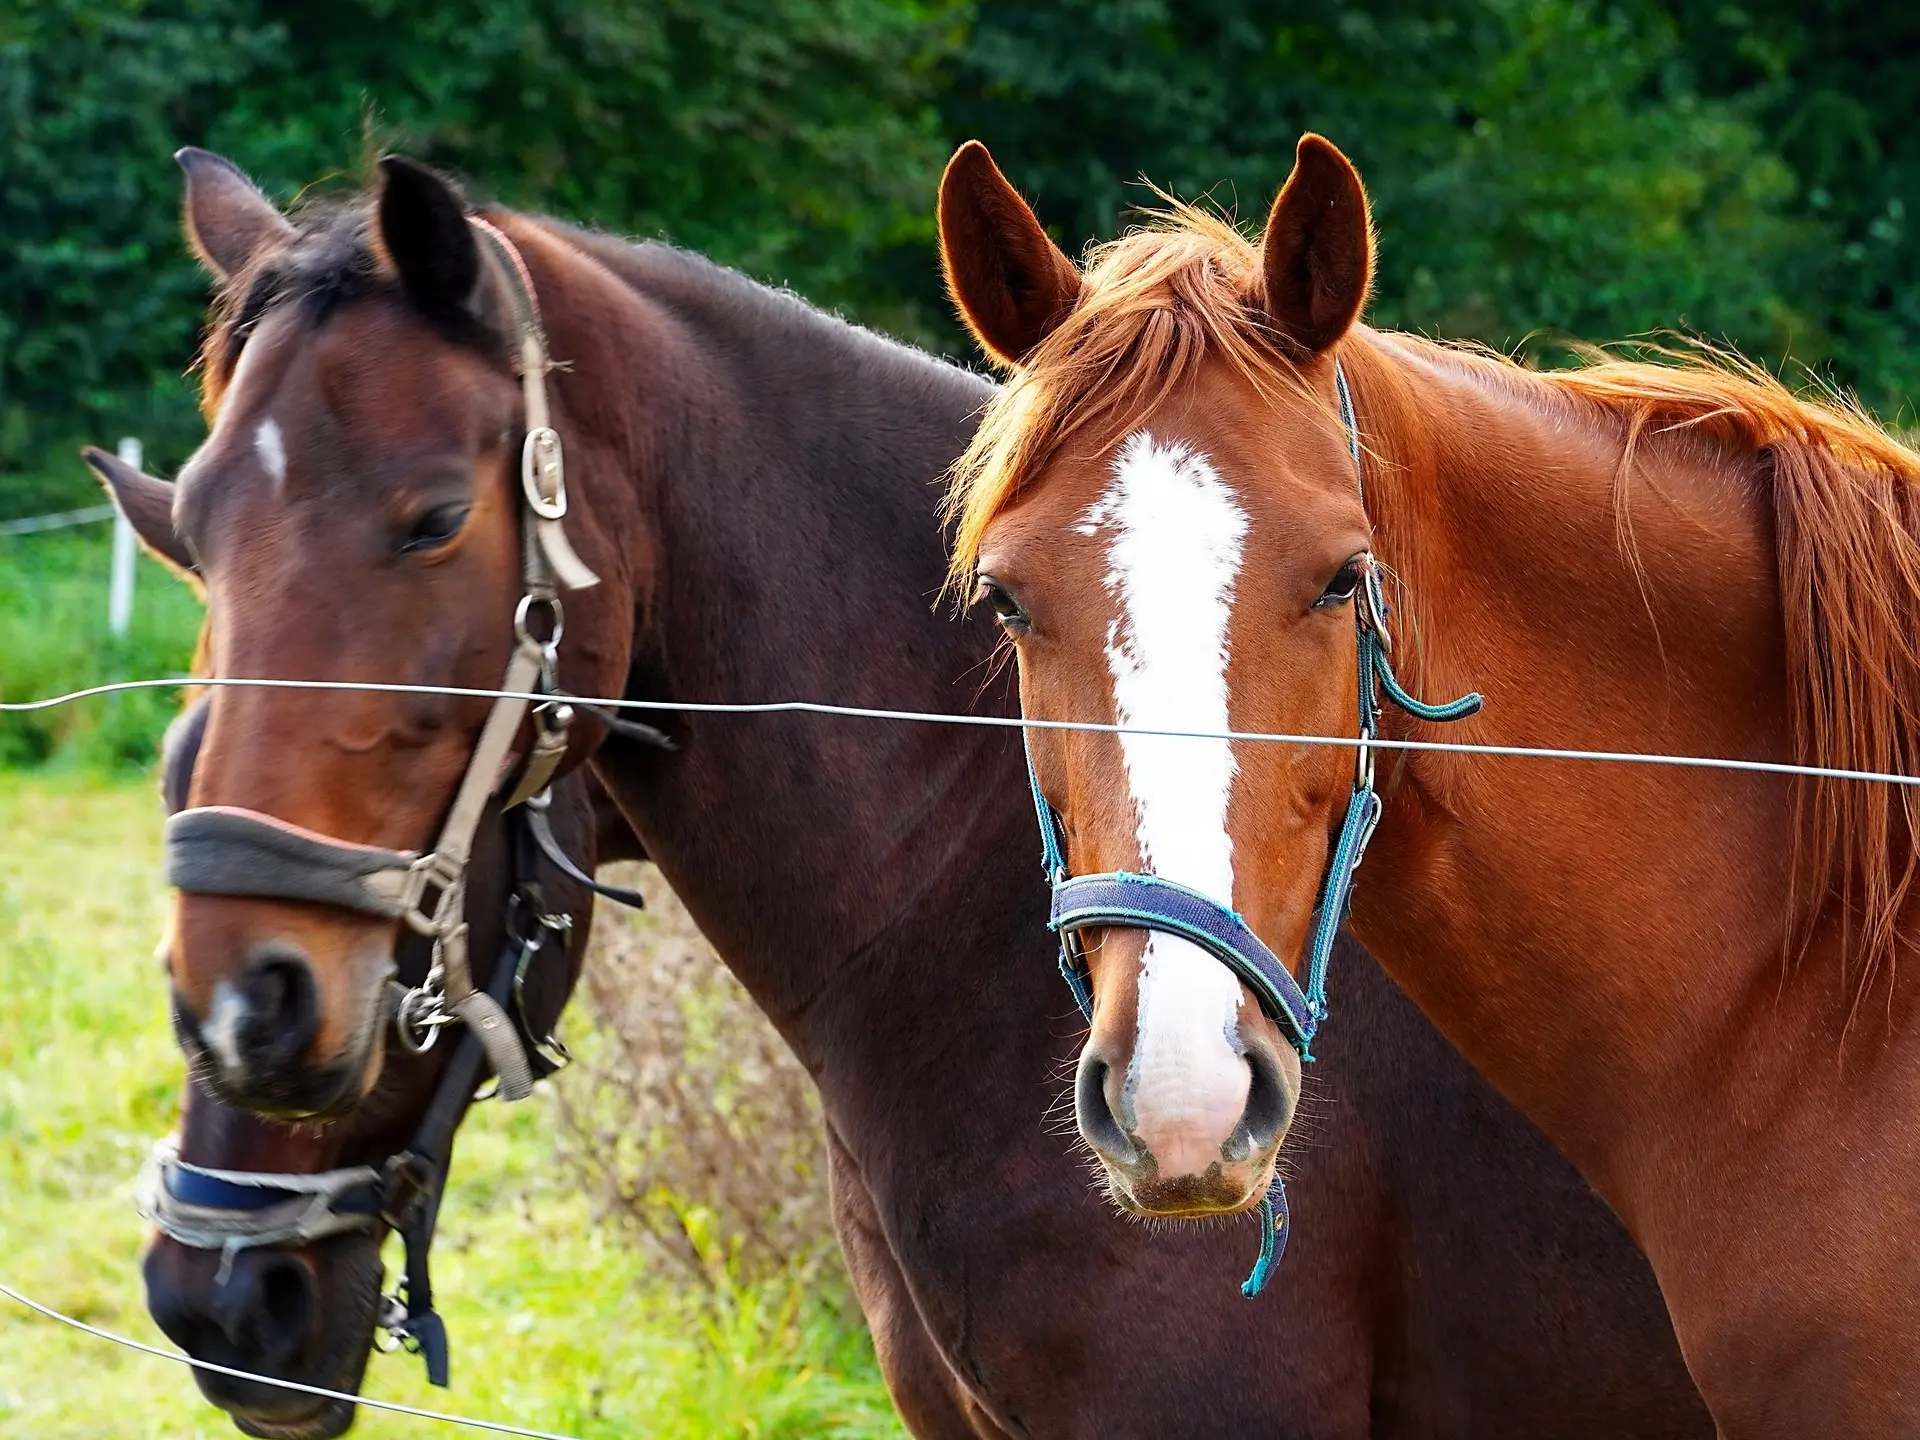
(98,461)
(411,172)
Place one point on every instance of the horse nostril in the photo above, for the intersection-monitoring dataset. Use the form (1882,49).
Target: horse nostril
(266,1307)
(186,1027)
(285,1307)
(282,1011)
(1099,1127)
(1269,1104)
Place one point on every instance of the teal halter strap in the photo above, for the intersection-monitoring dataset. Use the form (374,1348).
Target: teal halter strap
(1148,902)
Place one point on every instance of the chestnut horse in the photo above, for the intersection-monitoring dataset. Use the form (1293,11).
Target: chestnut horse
(756,487)
(307,1309)
(1182,507)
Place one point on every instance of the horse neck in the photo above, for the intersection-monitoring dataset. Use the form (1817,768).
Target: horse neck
(786,472)
(1596,940)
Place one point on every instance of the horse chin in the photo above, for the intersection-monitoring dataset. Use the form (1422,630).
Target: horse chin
(1222,1190)
(328,1419)
(324,1093)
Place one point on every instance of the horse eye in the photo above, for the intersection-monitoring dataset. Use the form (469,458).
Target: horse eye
(1005,608)
(1344,585)
(434,528)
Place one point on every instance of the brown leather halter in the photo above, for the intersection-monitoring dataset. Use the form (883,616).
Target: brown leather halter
(228,850)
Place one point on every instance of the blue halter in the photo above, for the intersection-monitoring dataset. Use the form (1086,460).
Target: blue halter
(1125,900)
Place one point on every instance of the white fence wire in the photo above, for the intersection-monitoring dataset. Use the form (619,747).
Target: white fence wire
(58,520)
(1000,722)
(498,1427)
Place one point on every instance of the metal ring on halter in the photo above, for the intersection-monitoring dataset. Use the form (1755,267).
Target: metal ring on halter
(418,1019)
(540,459)
(391,1326)
(524,609)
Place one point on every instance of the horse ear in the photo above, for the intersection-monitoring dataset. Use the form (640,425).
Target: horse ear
(424,231)
(228,221)
(1012,284)
(148,505)
(1318,252)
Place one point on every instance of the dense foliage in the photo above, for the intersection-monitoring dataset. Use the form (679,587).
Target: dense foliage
(1540,167)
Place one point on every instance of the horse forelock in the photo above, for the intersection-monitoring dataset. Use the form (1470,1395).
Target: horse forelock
(333,259)
(1155,304)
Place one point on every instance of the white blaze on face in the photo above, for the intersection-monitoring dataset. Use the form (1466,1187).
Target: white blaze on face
(1176,534)
(271,447)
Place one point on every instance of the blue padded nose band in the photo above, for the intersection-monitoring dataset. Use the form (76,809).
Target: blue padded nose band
(1147,902)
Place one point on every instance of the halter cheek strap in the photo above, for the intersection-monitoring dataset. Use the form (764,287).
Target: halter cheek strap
(1124,900)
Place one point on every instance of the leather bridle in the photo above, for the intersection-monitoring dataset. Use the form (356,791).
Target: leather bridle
(235,1210)
(229,850)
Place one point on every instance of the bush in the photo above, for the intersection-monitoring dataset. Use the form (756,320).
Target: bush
(686,1115)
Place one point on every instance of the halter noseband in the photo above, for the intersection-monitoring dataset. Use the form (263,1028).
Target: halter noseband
(1125,900)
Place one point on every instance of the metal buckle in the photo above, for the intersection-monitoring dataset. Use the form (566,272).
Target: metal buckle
(549,1047)
(395,1326)
(430,871)
(391,1332)
(543,475)
(1373,612)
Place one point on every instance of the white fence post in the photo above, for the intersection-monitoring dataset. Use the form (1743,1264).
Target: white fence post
(120,590)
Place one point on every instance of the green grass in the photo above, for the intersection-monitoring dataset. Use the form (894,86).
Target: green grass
(576,1335)
(54,638)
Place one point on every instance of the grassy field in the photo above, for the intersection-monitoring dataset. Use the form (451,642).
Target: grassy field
(579,1337)
(54,638)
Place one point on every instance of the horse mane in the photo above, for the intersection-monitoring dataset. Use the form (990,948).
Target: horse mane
(1845,495)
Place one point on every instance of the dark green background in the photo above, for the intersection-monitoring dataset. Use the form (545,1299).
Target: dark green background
(1540,168)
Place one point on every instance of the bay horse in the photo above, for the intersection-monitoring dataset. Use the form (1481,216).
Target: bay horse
(756,487)
(1182,509)
(308,1307)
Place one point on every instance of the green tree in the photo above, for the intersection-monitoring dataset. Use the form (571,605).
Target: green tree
(98,302)
(1534,164)
(1835,88)
(792,139)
